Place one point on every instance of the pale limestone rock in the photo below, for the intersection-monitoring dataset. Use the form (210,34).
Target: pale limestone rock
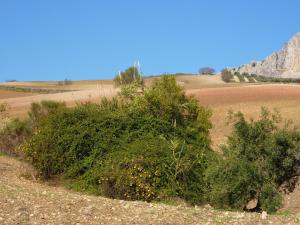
(284,63)
(264,215)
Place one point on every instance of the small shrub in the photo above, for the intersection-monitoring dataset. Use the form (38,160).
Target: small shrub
(132,74)
(226,75)
(15,133)
(206,70)
(40,110)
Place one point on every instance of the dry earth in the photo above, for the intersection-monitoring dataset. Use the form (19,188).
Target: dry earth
(249,100)
(13,94)
(24,200)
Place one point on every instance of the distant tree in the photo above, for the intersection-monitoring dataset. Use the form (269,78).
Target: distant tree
(226,75)
(132,74)
(67,82)
(206,70)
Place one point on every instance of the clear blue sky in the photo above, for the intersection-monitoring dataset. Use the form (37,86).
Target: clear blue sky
(76,39)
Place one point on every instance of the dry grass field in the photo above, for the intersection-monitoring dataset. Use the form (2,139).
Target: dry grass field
(209,90)
(13,94)
(19,106)
(54,85)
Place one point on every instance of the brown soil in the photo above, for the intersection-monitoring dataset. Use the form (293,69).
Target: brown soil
(23,200)
(248,100)
(250,93)
(13,94)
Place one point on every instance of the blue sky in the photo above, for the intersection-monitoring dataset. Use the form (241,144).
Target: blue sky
(76,39)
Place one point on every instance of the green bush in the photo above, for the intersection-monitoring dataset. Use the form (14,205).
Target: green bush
(232,183)
(258,157)
(155,169)
(152,146)
(128,76)
(38,111)
(270,198)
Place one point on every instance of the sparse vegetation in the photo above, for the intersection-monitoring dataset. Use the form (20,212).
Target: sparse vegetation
(65,82)
(33,90)
(16,132)
(226,75)
(206,70)
(261,78)
(3,116)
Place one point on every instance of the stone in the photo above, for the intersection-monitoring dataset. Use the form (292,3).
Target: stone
(284,64)
(264,215)
(252,204)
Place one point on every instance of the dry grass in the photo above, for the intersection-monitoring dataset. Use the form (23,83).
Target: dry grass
(18,107)
(53,85)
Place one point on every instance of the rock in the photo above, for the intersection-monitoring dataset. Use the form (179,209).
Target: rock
(264,215)
(252,204)
(208,206)
(284,63)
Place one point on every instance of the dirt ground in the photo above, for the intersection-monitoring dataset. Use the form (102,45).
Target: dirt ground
(14,94)
(248,100)
(23,200)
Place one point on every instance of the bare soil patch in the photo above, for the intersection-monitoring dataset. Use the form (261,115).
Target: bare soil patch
(23,200)
(248,100)
(14,94)
(249,93)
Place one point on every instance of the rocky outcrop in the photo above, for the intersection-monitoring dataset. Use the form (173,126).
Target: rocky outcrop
(284,63)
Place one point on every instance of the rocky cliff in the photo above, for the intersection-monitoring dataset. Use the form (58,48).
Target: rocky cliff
(284,63)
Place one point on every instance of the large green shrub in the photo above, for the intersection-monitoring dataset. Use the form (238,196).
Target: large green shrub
(152,146)
(258,157)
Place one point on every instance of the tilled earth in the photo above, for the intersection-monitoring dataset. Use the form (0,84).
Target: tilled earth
(26,201)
